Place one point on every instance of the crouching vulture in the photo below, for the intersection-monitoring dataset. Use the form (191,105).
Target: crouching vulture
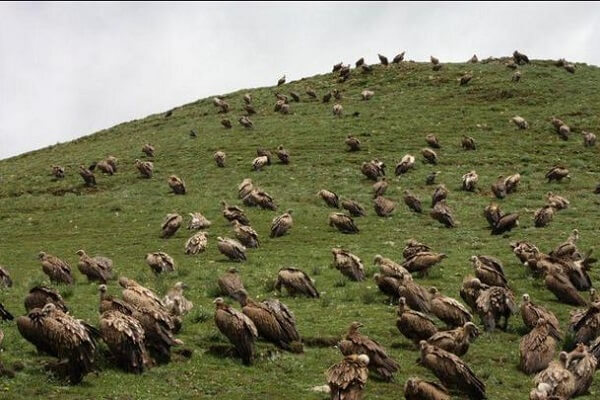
(273,320)
(448,310)
(296,281)
(160,262)
(281,224)
(380,362)
(531,313)
(457,340)
(95,268)
(231,283)
(175,301)
(170,225)
(60,335)
(176,184)
(423,261)
(348,264)
(414,325)
(39,296)
(343,223)
(145,168)
(232,249)
(554,382)
(419,389)
(347,379)
(238,328)
(197,243)
(354,208)
(537,348)
(125,337)
(246,235)
(494,304)
(582,364)
(452,371)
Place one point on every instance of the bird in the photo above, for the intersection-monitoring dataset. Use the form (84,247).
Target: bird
(338,110)
(226,123)
(245,188)
(347,379)
(57,270)
(259,162)
(220,158)
(448,310)
(197,243)
(419,389)
(430,179)
(434,60)
(554,382)
(489,270)
(589,139)
(537,348)
(148,149)
(354,208)
(505,223)
(388,267)
(516,76)
(382,59)
(582,364)
(232,249)
(330,198)
(281,224)
(283,155)
(520,122)
(5,315)
(176,184)
(493,305)
(175,301)
(499,188)
(348,264)
(380,187)
(412,201)
(198,221)
(456,340)
(260,198)
(295,96)
(281,81)
(40,295)
(465,79)
(543,216)
(125,338)
(398,58)
(367,94)
(584,323)
(417,297)
(358,62)
(170,225)
(58,171)
(471,290)
(383,206)
(557,173)
(238,328)
(160,262)
(5,279)
(406,163)
(414,325)
(468,143)
(443,214)
(559,284)
(353,143)
(531,313)
(234,213)
(145,168)
(356,343)
(311,93)
(230,283)
(88,176)
(246,122)
(372,170)
(430,156)
(423,261)
(343,223)
(296,281)
(246,235)
(432,141)
(413,247)
(557,202)
(95,268)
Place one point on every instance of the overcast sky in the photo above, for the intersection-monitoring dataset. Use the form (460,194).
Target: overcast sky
(68,70)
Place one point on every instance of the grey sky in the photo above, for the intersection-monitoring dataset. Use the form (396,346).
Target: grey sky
(67,70)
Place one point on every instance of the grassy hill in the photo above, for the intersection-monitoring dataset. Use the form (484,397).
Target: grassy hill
(121,218)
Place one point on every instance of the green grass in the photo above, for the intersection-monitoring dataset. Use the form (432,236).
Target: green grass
(121,218)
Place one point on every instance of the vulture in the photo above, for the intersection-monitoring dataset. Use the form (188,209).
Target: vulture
(570,68)
(95,268)
(489,270)
(582,364)
(436,67)
(366,68)
(246,122)
(273,321)
(88,176)
(380,362)
(337,94)
(434,60)
(347,379)
(531,313)
(388,285)
(176,184)
(247,98)
(524,251)
(585,323)
(358,62)
(367,94)
(343,223)
(281,224)
(338,110)
(170,225)
(246,235)
(568,249)
(557,173)
(430,179)
(326,97)
(558,202)
(39,296)
(58,171)
(222,105)
(413,247)
(197,243)
(380,187)
(474,59)
(414,325)
(232,213)
(443,214)
(520,58)
(512,182)
(383,206)
(230,284)
(468,143)
(471,290)
(261,199)
(226,123)
(281,81)
(245,188)
(543,216)
(537,348)
(511,64)
(559,284)
(337,67)
(447,309)
(520,122)
(198,221)
(5,279)
(417,297)
(330,198)
(296,281)
(60,335)
(104,167)
(419,389)
(469,181)
(136,295)
(589,139)
(457,340)
(5,315)
(412,201)
(354,208)
(494,304)
(516,76)
(259,162)
(564,132)
(554,382)
(372,170)
(423,261)
(505,223)
(384,61)
(353,143)
(145,168)
(125,338)
(220,158)
(295,96)
(452,371)
(160,262)
(499,188)
(407,163)
(250,110)
(440,193)
(388,267)
(283,155)
(175,302)
(465,79)
(232,249)
(311,93)
(57,270)
(432,141)
(238,328)
(148,150)
(492,214)
(348,264)
(398,58)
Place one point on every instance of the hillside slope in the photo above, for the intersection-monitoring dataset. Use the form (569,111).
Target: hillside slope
(121,218)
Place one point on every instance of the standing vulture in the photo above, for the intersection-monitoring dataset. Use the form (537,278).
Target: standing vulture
(406,163)
(499,188)
(423,261)
(457,340)
(448,310)
(296,282)
(39,296)
(175,302)
(176,184)
(245,188)
(380,187)
(145,168)
(330,198)
(489,270)
(232,249)
(531,313)
(412,201)
(543,216)
(238,328)
(468,143)
(471,290)
(469,181)
(198,221)
(234,213)
(443,214)
(380,362)
(537,348)
(388,285)
(220,158)
(125,336)
(493,304)
(88,176)
(384,207)
(56,269)
(348,264)
(197,243)
(505,223)
(556,201)
(452,371)
(160,262)
(96,268)
(354,208)
(440,193)
(343,223)
(585,323)
(231,283)
(384,61)
(582,365)
(372,170)
(353,143)
(430,156)
(246,235)
(414,325)
(559,284)
(170,225)
(281,224)
(148,150)
(432,141)
(557,173)
(388,267)
(417,296)
(273,320)
(519,122)
(347,379)
(5,279)
(418,389)
(413,247)
(283,155)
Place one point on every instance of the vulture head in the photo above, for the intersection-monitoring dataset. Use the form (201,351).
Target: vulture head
(48,309)
(378,258)
(219,303)
(80,253)
(433,290)
(180,286)
(124,282)
(526,299)
(401,305)
(354,327)
(471,329)
(41,255)
(102,288)
(242,295)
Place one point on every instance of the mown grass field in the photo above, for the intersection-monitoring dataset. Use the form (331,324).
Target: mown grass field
(121,218)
